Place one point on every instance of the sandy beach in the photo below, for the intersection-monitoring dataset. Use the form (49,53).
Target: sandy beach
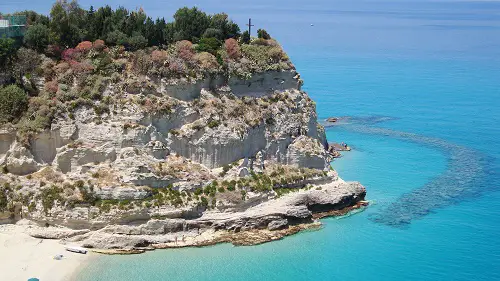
(23,257)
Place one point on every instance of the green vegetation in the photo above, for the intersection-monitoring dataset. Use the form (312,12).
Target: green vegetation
(37,37)
(4,200)
(49,195)
(213,124)
(69,60)
(13,102)
(261,33)
(70,24)
(277,178)
(7,49)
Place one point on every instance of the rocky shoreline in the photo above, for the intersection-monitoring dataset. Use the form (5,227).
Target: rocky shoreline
(268,221)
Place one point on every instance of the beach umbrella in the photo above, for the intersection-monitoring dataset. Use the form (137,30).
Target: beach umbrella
(33,279)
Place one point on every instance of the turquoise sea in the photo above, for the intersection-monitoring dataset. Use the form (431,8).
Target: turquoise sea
(421,81)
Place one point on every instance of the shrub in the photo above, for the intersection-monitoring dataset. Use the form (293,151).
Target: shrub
(158,56)
(37,37)
(245,37)
(142,62)
(225,169)
(262,33)
(27,61)
(49,196)
(54,51)
(137,42)
(213,32)
(99,45)
(210,45)
(7,49)
(117,38)
(81,67)
(61,67)
(232,48)
(52,86)
(70,54)
(260,41)
(13,102)
(231,186)
(204,201)
(184,50)
(213,124)
(206,61)
(3,199)
(84,46)
(100,109)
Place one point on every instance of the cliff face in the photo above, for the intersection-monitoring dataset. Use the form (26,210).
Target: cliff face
(175,156)
(212,124)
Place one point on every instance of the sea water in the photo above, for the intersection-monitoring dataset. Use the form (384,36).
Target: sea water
(421,81)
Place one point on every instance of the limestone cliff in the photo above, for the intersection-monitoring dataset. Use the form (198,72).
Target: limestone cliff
(174,155)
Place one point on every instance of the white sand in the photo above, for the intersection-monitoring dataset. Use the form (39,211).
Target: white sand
(23,257)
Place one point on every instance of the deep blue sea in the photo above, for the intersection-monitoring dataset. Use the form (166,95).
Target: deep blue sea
(421,81)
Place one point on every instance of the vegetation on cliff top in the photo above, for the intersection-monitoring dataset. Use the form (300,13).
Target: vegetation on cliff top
(68,59)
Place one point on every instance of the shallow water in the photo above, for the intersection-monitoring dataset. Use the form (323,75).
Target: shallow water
(422,81)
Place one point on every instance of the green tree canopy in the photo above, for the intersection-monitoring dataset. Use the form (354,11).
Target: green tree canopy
(7,50)
(190,24)
(69,24)
(13,102)
(37,37)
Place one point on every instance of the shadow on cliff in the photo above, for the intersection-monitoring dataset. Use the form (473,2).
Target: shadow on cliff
(466,176)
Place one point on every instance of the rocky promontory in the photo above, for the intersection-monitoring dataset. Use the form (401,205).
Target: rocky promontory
(175,145)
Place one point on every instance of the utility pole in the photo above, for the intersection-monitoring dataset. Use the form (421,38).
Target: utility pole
(250,26)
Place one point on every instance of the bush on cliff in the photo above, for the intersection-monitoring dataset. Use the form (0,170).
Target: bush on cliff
(13,102)
(210,45)
(262,33)
(37,37)
(7,49)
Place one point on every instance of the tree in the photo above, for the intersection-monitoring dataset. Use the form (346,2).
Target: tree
(88,32)
(169,33)
(59,24)
(7,49)
(245,37)
(27,61)
(160,26)
(262,33)
(37,37)
(13,102)
(190,24)
(101,24)
(149,32)
(228,28)
(33,17)
(67,22)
